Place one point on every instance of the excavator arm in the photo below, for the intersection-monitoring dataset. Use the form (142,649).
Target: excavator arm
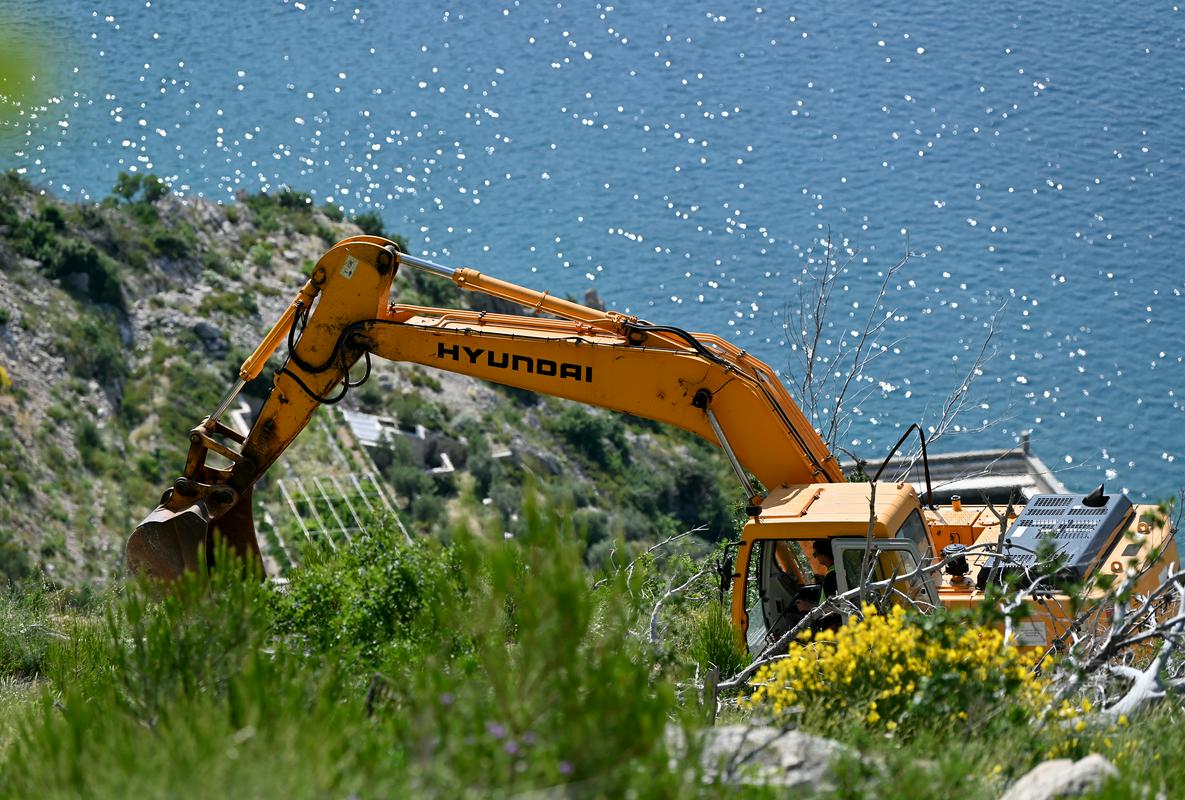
(697,382)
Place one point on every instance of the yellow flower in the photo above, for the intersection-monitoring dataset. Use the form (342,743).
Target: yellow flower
(899,674)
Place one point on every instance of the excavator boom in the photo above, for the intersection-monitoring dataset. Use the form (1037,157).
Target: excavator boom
(698,382)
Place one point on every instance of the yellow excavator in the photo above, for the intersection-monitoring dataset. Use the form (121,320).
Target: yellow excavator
(874,530)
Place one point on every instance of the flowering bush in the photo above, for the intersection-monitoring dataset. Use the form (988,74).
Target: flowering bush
(895,672)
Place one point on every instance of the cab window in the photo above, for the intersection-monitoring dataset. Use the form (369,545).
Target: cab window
(915,530)
(889,564)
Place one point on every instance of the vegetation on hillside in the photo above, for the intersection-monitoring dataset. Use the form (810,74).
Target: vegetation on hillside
(492,668)
(122,323)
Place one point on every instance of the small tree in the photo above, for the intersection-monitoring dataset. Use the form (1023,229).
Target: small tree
(371,223)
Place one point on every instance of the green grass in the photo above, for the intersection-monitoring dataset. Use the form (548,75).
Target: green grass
(233,304)
(386,670)
(474,669)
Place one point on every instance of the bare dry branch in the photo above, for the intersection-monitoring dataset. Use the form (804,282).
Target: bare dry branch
(629,568)
(655,639)
(831,370)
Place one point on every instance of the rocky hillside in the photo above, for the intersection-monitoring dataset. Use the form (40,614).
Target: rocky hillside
(123,322)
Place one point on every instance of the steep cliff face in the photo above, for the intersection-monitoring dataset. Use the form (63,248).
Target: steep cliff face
(116,328)
(122,323)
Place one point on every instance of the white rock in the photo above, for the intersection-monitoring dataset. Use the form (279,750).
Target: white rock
(1062,777)
(761,755)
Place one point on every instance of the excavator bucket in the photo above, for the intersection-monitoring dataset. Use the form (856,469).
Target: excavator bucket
(168,543)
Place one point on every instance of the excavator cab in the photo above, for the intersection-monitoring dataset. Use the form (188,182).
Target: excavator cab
(772,562)
(889,560)
(770,591)
(777,572)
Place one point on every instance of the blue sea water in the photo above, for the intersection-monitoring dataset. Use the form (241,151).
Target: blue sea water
(686,159)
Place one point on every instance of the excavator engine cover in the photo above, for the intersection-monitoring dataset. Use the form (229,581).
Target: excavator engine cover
(1079,527)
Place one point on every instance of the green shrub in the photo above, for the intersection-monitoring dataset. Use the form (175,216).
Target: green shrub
(386,669)
(377,594)
(599,437)
(92,450)
(92,347)
(12,182)
(484,469)
(371,223)
(554,688)
(30,237)
(63,257)
(417,377)
(147,189)
(91,217)
(174,244)
(714,641)
(127,185)
(235,304)
(703,499)
(66,257)
(149,466)
(285,209)
(326,235)
(408,479)
(260,254)
(412,409)
(428,509)
(294,200)
(144,213)
(24,637)
(15,564)
(154,188)
(19,481)
(54,217)
(8,216)
(334,212)
(179,363)
(88,440)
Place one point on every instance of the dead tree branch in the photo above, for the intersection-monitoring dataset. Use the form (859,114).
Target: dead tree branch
(826,379)
(655,639)
(629,568)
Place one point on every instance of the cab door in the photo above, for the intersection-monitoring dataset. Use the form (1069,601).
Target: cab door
(889,559)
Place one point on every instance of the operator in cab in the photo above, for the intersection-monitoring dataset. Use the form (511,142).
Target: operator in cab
(826,586)
(821,549)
